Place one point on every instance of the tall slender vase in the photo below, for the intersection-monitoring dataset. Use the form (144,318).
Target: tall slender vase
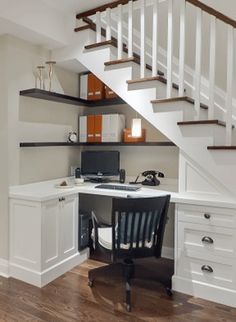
(50,73)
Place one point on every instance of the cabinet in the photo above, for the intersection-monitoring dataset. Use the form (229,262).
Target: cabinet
(205,252)
(43,238)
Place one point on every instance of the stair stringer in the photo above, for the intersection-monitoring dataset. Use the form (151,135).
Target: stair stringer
(218,166)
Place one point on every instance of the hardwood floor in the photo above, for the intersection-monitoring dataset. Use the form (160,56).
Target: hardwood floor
(68,298)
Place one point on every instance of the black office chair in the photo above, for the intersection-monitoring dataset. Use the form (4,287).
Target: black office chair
(137,231)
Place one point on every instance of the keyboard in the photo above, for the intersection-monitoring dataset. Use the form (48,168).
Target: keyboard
(117,187)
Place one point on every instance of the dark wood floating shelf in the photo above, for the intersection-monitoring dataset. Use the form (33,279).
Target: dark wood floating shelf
(66,99)
(48,144)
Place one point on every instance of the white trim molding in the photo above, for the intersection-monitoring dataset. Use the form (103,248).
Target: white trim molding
(4,268)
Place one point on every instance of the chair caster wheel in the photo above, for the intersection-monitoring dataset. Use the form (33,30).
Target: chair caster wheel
(90,283)
(169,291)
(128,307)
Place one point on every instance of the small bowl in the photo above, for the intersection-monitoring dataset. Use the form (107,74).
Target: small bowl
(79,180)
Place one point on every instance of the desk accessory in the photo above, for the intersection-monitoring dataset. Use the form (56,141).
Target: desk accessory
(150,178)
(122,175)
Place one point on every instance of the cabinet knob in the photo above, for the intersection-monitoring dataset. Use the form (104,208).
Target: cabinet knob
(207,240)
(62,199)
(207,216)
(207,268)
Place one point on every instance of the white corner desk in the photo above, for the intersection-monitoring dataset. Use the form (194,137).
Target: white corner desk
(44,237)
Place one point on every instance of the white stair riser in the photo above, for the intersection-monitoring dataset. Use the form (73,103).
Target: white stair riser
(159,86)
(186,107)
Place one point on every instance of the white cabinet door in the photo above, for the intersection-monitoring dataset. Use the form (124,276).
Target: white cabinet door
(50,233)
(69,226)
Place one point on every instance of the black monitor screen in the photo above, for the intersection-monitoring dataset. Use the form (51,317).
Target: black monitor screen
(100,163)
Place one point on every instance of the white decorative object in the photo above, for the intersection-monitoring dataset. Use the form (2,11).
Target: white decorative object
(136,129)
(50,73)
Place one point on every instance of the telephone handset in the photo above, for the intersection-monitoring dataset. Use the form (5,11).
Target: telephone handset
(150,178)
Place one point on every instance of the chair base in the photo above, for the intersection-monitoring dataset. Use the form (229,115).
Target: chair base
(127,269)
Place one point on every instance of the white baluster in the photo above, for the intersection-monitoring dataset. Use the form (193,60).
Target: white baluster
(98,27)
(170,48)
(108,21)
(198,63)
(130,29)
(229,91)
(142,43)
(120,30)
(182,47)
(155,38)
(212,59)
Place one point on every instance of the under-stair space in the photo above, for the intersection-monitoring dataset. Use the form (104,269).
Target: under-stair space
(122,45)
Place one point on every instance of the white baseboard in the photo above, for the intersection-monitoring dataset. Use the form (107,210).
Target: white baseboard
(40,279)
(4,268)
(205,291)
(167,252)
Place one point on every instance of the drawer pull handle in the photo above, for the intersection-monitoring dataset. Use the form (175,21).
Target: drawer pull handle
(62,199)
(207,268)
(207,240)
(207,216)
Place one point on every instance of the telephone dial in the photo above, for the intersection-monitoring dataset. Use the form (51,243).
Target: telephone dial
(150,178)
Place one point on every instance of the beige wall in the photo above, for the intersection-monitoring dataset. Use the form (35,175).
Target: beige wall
(4,154)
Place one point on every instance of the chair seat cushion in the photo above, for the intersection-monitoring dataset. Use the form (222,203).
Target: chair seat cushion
(105,239)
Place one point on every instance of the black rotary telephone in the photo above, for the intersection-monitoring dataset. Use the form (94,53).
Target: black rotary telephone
(150,178)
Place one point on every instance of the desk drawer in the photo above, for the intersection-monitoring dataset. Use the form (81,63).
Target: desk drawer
(211,216)
(211,270)
(209,240)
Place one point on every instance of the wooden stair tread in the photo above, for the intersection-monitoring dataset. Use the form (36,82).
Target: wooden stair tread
(102,43)
(203,122)
(178,99)
(85,27)
(222,147)
(150,79)
(120,61)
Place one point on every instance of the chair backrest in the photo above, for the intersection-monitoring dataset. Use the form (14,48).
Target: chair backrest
(138,226)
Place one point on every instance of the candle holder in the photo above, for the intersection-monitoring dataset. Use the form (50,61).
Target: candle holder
(40,76)
(50,72)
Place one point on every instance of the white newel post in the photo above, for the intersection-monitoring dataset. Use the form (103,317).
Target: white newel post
(170,48)
(182,47)
(130,29)
(98,27)
(155,38)
(212,59)
(229,91)
(198,63)
(120,30)
(108,21)
(142,37)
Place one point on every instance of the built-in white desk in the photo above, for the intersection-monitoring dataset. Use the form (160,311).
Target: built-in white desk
(44,237)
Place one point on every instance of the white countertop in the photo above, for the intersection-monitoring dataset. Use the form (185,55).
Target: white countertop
(46,190)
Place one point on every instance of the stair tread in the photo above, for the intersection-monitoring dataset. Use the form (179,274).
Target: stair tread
(85,27)
(102,43)
(120,61)
(222,147)
(177,99)
(216,122)
(150,79)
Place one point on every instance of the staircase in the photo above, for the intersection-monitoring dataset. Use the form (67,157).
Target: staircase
(115,43)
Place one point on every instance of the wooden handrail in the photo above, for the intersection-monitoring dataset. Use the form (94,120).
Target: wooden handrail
(102,8)
(213,12)
(196,3)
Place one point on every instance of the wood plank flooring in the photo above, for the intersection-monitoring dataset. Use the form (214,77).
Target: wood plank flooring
(68,298)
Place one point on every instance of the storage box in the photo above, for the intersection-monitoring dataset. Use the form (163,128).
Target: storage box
(109,93)
(127,136)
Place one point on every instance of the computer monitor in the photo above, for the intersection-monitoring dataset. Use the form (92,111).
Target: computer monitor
(100,164)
